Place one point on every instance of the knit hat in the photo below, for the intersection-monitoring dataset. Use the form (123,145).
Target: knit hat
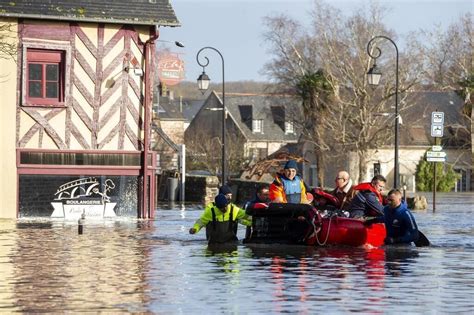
(221,201)
(225,190)
(291,164)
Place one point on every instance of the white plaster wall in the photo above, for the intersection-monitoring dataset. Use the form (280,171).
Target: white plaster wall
(408,160)
(8,88)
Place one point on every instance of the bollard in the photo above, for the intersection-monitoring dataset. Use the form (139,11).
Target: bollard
(80,223)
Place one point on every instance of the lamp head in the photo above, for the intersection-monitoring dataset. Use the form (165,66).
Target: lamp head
(374,75)
(203,82)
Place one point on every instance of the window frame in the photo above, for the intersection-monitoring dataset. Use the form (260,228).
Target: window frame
(53,52)
(289,127)
(257,123)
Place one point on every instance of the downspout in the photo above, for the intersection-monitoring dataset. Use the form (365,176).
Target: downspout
(146,212)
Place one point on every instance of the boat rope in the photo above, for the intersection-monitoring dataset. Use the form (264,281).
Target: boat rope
(327,235)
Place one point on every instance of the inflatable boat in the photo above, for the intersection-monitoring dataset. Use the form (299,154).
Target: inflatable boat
(303,224)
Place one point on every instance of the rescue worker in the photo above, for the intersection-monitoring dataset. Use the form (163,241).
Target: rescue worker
(368,200)
(261,197)
(288,187)
(220,219)
(225,190)
(399,221)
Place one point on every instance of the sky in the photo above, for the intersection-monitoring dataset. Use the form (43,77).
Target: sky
(235,29)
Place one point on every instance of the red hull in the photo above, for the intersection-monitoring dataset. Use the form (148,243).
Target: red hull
(351,232)
(295,224)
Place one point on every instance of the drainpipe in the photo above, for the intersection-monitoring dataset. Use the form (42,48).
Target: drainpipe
(146,212)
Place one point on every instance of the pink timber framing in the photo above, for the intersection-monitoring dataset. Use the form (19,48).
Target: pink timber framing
(89,111)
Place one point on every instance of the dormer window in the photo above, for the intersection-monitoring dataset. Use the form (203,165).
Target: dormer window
(289,127)
(257,125)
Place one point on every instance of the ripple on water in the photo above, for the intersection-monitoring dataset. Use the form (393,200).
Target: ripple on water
(155,266)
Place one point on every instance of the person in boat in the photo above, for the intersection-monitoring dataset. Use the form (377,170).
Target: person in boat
(344,191)
(288,187)
(337,199)
(399,221)
(368,199)
(262,197)
(220,219)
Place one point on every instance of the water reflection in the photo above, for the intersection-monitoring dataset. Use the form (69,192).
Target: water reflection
(157,267)
(54,267)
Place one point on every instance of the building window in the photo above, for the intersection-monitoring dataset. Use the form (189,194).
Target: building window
(257,126)
(289,127)
(44,77)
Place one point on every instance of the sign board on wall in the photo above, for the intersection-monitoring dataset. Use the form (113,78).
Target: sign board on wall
(170,68)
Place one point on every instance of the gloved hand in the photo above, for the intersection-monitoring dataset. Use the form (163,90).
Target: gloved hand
(192,230)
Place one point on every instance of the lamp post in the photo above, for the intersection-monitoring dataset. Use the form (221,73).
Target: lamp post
(203,84)
(373,78)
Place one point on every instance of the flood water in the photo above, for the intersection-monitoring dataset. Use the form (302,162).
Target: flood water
(157,267)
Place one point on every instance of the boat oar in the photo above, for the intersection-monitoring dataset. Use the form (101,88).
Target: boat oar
(422,240)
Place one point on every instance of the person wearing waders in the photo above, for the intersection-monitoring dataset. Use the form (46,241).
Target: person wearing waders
(220,219)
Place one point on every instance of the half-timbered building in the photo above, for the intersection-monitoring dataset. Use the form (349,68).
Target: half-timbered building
(76,100)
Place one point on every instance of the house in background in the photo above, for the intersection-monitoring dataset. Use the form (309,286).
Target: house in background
(415,139)
(76,107)
(167,131)
(256,125)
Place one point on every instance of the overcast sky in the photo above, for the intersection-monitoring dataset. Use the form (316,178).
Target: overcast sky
(235,28)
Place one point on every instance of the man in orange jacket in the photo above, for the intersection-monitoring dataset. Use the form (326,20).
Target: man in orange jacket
(288,187)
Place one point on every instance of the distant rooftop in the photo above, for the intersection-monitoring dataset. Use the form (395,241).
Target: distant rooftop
(137,12)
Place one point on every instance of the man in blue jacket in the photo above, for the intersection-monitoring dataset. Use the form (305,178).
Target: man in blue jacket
(399,222)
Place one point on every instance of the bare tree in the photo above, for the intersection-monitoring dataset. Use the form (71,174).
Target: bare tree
(204,153)
(335,47)
(450,66)
(8,46)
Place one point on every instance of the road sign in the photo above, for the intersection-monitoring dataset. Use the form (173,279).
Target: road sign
(436,148)
(436,159)
(437,118)
(440,154)
(437,130)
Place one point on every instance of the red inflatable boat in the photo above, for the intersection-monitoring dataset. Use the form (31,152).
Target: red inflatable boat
(302,224)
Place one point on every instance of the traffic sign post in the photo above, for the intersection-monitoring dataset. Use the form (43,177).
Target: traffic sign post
(436,155)
(436,159)
(437,118)
(437,130)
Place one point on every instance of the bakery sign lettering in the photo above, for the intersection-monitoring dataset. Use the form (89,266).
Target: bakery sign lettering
(85,195)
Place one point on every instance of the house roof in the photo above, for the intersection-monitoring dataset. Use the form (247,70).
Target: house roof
(138,12)
(191,108)
(167,108)
(274,110)
(416,127)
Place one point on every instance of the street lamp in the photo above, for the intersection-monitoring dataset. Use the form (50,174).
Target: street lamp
(203,84)
(373,77)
